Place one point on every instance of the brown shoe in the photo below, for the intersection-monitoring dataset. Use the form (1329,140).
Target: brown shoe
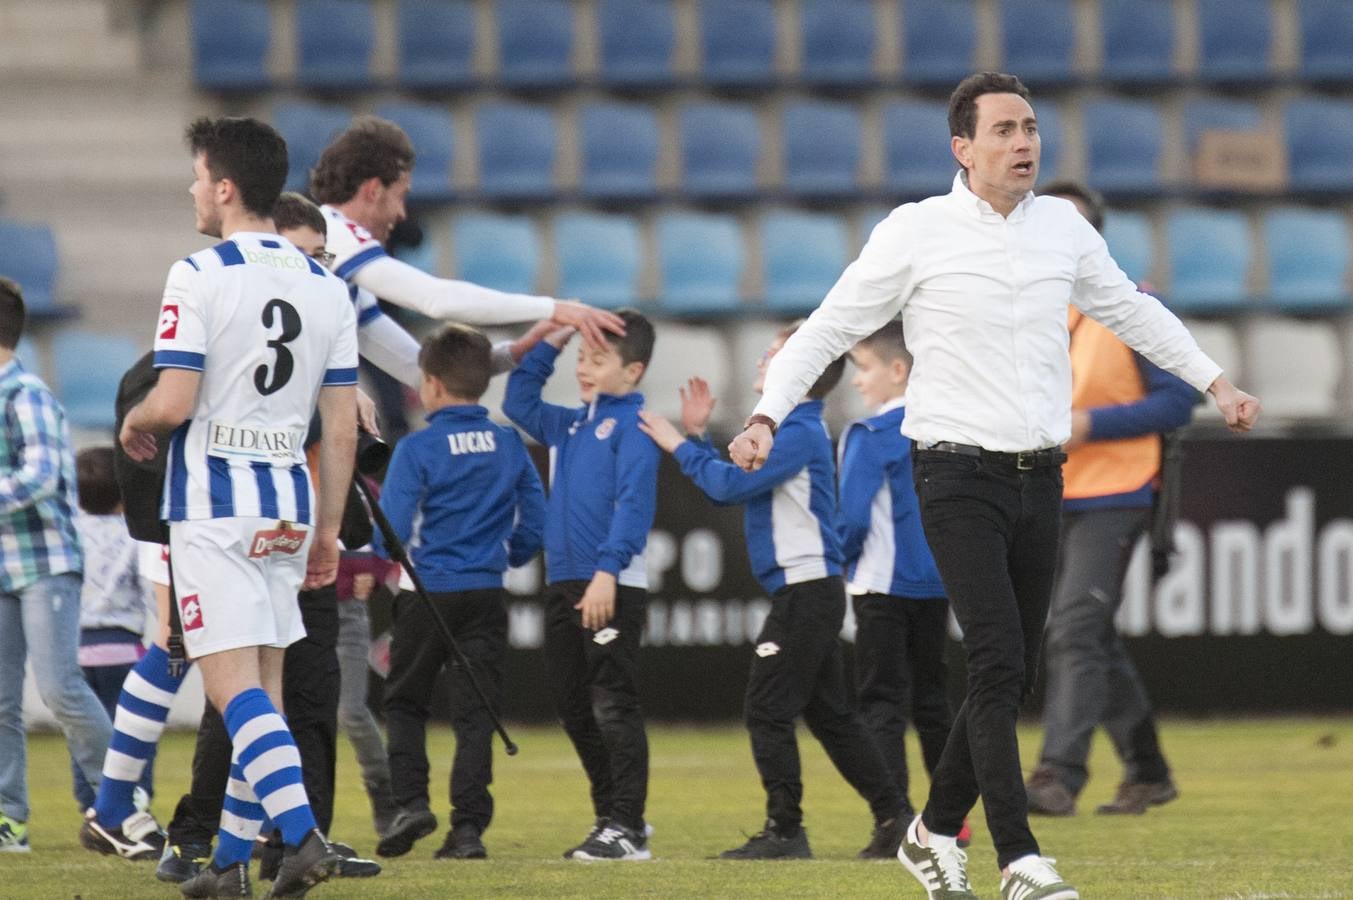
(1134,797)
(1048,796)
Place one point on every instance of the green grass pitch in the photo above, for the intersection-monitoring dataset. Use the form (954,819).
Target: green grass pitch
(1266,812)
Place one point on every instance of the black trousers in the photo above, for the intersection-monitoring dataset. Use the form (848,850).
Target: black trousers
(595,678)
(478,621)
(993,531)
(310,685)
(901,676)
(799,670)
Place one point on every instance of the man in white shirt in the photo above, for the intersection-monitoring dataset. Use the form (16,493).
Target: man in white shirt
(361,182)
(982,277)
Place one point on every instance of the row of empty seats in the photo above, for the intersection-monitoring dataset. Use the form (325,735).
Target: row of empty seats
(28,256)
(536,42)
(723,147)
(783,261)
(86,368)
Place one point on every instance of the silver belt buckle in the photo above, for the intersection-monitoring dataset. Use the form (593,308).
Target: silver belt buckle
(1024,460)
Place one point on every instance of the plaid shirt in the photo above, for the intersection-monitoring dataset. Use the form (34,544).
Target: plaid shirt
(37,483)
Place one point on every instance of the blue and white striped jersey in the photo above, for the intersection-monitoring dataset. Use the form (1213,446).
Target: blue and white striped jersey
(267,327)
(352,247)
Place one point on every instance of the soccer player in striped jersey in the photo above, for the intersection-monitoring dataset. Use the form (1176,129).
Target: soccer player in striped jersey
(252,335)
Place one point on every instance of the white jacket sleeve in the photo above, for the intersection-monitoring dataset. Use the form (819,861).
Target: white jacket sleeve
(388,347)
(441,298)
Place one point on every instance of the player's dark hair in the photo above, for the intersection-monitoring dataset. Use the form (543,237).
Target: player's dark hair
(888,343)
(637,344)
(1094,203)
(830,377)
(295,211)
(460,357)
(371,147)
(97,481)
(963,101)
(248,152)
(12,313)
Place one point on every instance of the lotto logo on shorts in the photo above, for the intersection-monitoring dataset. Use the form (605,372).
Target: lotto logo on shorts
(276,540)
(605,636)
(169,321)
(769,648)
(190,612)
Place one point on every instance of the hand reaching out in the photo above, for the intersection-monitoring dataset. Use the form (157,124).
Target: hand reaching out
(591,322)
(697,405)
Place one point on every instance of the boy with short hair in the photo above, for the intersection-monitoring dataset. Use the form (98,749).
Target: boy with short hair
(896,591)
(603,494)
(464,495)
(790,524)
(39,578)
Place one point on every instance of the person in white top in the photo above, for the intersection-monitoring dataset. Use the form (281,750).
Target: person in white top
(253,335)
(361,181)
(982,278)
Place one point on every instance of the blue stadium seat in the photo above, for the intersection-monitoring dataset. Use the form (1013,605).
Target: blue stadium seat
(838,38)
(939,38)
(231,40)
(597,257)
(803,254)
(1319,144)
(619,150)
(1235,37)
(335,40)
(737,42)
(497,251)
(436,43)
(308,128)
(720,146)
(1123,143)
(91,363)
(430,128)
(535,43)
(635,42)
(1308,258)
(28,256)
(822,148)
(700,260)
(1326,35)
(1051,133)
(1210,252)
(516,150)
(1139,42)
(1131,244)
(1207,113)
(1039,39)
(917,160)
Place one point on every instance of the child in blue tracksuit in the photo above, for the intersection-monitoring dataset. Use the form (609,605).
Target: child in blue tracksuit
(790,524)
(603,492)
(899,600)
(465,498)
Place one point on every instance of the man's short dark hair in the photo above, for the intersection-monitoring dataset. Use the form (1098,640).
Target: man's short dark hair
(1094,203)
(371,147)
(248,152)
(963,101)
(830,377)
(96,481)
(12,313)
(293,210)
(637,344)
(460,357)
(888,343)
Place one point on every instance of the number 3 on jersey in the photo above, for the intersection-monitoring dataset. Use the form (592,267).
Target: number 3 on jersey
(285,363)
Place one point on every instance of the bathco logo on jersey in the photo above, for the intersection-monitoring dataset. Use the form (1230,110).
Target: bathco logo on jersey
(282,539)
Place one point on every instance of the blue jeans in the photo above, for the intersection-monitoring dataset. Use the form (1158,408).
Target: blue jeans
(46,616)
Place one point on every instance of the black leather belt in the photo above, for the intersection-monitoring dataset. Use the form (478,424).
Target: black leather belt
(1022,461)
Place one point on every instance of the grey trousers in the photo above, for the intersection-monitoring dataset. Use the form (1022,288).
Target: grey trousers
(1091,680)
(354,716)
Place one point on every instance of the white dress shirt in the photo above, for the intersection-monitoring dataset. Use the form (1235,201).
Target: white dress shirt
(983,299)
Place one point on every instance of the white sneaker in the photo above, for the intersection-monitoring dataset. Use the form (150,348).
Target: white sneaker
(941,867)
(1032,877)
(139,836)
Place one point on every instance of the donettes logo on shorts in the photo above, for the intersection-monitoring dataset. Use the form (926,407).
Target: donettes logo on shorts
(190,612)
(169,321)
(276,540)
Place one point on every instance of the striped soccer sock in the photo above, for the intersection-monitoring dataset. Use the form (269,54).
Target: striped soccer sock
(270,762)
(241,821)
(138,723)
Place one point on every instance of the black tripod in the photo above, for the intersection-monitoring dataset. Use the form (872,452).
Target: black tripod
(395,548)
